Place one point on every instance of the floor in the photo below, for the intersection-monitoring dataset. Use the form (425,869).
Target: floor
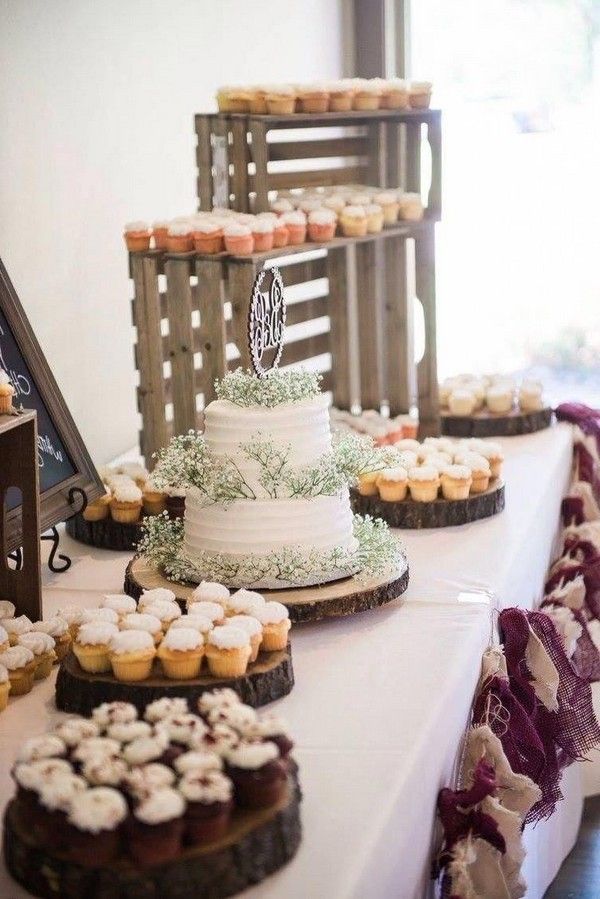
(579,877)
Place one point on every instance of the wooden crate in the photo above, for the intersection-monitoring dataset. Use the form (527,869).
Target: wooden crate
(344,319)
(243,159)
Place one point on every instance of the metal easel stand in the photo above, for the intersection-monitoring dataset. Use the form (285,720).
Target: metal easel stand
(54,537)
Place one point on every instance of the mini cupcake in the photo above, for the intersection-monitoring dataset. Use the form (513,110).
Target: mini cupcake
(367,95)
(16,627)
(410,207)
(181,653)
(94,748)
(135,471)
(375,218)
(353,221)
(340,97)
(208,237)
(156,594)
(137,236)
(109,712)
(281,100)
(228,651)
(179,238)
(479,468)
(199,623)
(94,819)
(91,646)
(275,620)
(4,687)
(367,483)
(209,798)
(128,731)
(160,230)
(155,830)
(253,628)
(31,777)
(244,602)
(499,399)
(220,698)
(139,621)
(55,799)
(238,239)
(282,205)
(166,707)
(263,234)
(143,750)
(419,94)
(271,728)
(439,460)
(20,664)
(46,746)
(75,729)
(239,716)
(220,739)
(258,101)
(314,99)
(281,235)
(394,94)
(131,655)
(456,482)
(295,222)
(310,204)
(98,509)
(388,201)
(259,775)
(392,484)
(211,610)
(197,760)
(42,647)
(336,203)
(7,391)
(126,502)
(143,780)
(462,401)
(493,453)
(154,501)
(530,397)
(407,459)
(119,603)
(211,591)
(166,612)
(321,225)
(424,483)
(106,770)
(181,733)
(91,616)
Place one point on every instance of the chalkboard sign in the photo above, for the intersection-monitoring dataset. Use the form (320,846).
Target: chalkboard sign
(63,460)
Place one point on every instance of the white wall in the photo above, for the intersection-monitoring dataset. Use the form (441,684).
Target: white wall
(96,109)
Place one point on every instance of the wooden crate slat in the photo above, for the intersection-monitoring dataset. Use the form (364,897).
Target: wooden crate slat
(369,326)
(337,271)
(305,348)
(240,280)
(259,155)
(307,310)
(212,319)
(204,160)
(181,343)
(294,272)
(413,157)
(351,174)
(398,328)
(434,136)
(318,149)
(239,158)
(427,382)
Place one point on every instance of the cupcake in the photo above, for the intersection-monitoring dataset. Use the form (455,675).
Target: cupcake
(321,225)
(106,770)
(137,236)
(91,616)
(143,780)
(479,468)
(7,609)
(128,731)
(109,712)
(214,611)
(353,221)
(253,628)
(259,775)
(271,728)
(419,94)
(131,655)
(75,729)
(530,397)
(244,602)
(160,230)
(94,748)
(410,207)
(179,238)
(263,234)
(340,97)
(258,101)
(228,651)
(166,707)
(282,205)
(238,239)
(407,459)
(493,453)
(281,100)
(275,620)
(456,482)
(94,819)
(281,235)
(135,471)
(42,647)
(367,483)
(4,687)
(197,760)
(209,803)
(154,501)
(7,391)
(55,799)
(126,502)
(91,647)
(181,653)
(310,204)
(31,777)
(20,664)
(16,627)
(72,615)
(146,749)
(295,223)
(239,716)
(155,829)
(119,603)
(46,746)
(181,733)
(424,483)
(367,95)
(392,484)
(140,621)
(220,698)
(313,99)
(394,94)
(156,594)
(98,509)
(210,591)
(375,218)
(208,237)
(166,612)
(461,402)
(388,201)
(199,623)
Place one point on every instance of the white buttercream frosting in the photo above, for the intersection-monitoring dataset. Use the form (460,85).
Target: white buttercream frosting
(7,608)
(165,708)
(46,746)
(97,809)
(248,623)
(105,770)
(271,613)
(38,643)
(145,779)
(16,657)
(119,603)
(244,601)
(182,639)
(3,675)
(211,610)
(228,637)
(145,749)
(164,611)
(156,594)
(217,699)
(99,632)
(198,622)
(96,747)
(198,760)
(206,787)
(101,614)
(20,625)
(35,775)
(55,626)
(139,621)
(75,729)
(161,805)
(187,729)
(210,591)
(252,755)
(109,712)
(58,794)
(131,641)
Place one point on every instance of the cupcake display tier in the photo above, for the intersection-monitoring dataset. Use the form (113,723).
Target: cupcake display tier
(441,513)
(267,679)
(488,424)
(257,844)
(104,534)
(334,600)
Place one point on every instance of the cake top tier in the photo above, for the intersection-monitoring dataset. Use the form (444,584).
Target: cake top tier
(277,387)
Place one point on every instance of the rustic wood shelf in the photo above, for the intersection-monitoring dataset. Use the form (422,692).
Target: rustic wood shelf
(489,424)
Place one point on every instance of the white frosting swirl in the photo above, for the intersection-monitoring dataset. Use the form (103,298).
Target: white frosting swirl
(271,613)
(97,809)
(161,805)
(198,760)
(56,627)
(126,731)
(120,604)
(165,708)
(212,610)
(252,756)
(160,594)
(38,643)
(110,712)
(131,641)
(210,591)
(46,746)
(145,779)
(139,621)
(74,730)
(206,787)
(16,657)
(182,639)
(228,637)
(89,616)
(96,634)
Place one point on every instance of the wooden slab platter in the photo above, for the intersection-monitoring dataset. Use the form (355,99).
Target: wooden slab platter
(267,679)
(487,424)
(333,600)
(257,844)
(441,513)
(105,534)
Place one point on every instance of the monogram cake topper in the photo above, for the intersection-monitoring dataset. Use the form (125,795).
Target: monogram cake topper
(266,322)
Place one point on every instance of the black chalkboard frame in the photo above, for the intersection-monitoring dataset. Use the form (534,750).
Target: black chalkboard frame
(54,502)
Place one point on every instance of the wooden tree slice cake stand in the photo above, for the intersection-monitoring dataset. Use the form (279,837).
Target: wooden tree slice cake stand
(486,424)
(257,844)
(332,600)
(105,534)
(441,513)
(267,679)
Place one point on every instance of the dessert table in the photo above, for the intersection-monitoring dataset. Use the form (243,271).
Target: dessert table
(382,699)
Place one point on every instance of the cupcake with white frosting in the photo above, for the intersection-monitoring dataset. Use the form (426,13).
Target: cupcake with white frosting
(42,647)
(424,483)
(95,818)
(228,651)
(258,773)
(126,502)
(110,712)
(295,223)
(322,223)
(16,627)
(392,484)
(410,206)
(456,482)
(75,729)
(140,621)
(166,612)
(89,616)
(353,221)
(209,803)
(419,94)
(181,652)
(91,647)
(198,622)
(253,628)
(214,611)
(20,664)
(165,707)
(210,591)
(155,830)
(137,236)
(143,780)
(275,620)
(131,655)
(57,628)
(243,602)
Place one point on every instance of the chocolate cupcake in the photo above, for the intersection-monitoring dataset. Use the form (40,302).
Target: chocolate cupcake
(209,797)
(273,728)
(54,804)
(143,780)
(155,830)
(181,733)
(94,826)
(258,774)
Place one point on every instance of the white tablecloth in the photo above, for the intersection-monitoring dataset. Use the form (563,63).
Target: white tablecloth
(382,699)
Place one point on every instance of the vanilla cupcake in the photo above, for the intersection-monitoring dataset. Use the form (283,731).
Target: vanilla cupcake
(126,502)
(154,500)
(461,401)
(131,655)
(166,612)
(181,653)
(119,603)
(479,468)
(214,611)
(499,399)
(98,509)
(57,628)
(388,201)
(199,623)
(280,100)
(20,664)
(456,482)
(313,98)
(156,594)
(42,647)
(438,460)
(419,94)
(410,207)
(16,627)
(367,483)
(340,96)
(493,453)
(4,687)
(392,484)
(7,391)
(91,646)
(353,221)
(407,459)
(530,397)
(394,94)
(253,628)
(139,621)
(367,94)
(243,602)
(424,483)
(275,620)
(210,591)
(228,651)
(90,616)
